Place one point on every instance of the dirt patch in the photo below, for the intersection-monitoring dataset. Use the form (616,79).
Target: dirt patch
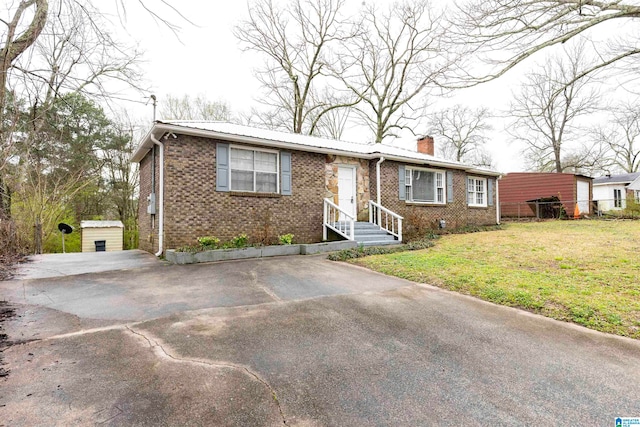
(8,263)
(6,312)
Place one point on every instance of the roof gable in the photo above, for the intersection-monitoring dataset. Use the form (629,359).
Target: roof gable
(617,179)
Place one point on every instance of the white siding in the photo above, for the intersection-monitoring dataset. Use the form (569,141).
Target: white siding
(604,195)
(112,235)
(583,196)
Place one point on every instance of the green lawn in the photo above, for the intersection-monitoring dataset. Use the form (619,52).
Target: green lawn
(587,272)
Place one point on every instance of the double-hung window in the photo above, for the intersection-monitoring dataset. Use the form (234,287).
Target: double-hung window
(424,185)
(617,197)
(476,191)
(254,170)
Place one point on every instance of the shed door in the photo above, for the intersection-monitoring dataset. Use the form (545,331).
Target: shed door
(583,197)
(347,189)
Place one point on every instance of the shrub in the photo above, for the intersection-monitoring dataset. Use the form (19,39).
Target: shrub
(417,225)
(240,241)
(286,239)
(415,245)
(209,242)
(362,251)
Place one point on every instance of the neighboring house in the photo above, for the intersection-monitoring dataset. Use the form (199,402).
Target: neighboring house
(219,179)
(611,191)
(540,194)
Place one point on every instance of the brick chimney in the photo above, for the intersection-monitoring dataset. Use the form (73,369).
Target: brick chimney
(425,145)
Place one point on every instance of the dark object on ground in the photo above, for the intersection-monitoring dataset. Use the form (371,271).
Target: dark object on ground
(7,264)
(6,312)
(548,207)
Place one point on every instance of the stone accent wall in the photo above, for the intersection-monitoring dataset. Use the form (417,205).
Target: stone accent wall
(457,214)
(194,208)
(148,224)
(362,177)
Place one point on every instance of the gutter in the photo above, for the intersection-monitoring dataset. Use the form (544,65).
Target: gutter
(378,179)
(160,196)
(164,127)
(498,200)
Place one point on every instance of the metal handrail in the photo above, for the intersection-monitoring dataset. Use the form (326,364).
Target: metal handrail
(332,218)
(385,219)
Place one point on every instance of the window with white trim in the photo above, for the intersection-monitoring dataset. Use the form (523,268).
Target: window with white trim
(254,170)
(477,191)
(424,186)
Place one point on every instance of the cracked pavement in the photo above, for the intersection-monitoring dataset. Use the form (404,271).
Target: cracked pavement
(296,340)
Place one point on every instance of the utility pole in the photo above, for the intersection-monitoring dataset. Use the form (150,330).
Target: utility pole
(155,103)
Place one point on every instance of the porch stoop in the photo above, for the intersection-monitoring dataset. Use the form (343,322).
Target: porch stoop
(369,234)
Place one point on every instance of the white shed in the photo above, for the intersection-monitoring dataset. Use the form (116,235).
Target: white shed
(101,236)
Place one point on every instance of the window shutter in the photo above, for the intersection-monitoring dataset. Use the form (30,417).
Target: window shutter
(449,187)
(285,173)
(490,183)
(222,167)
(466,194)
(401,189)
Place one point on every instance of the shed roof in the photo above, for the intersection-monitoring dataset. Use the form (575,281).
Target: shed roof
(616,179)
(101,224)
(534,175)
(266,137)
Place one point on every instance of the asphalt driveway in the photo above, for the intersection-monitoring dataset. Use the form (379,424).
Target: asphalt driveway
(302,340)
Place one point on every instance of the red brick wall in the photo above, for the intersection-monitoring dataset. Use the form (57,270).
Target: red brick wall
(194,208)
(457,214)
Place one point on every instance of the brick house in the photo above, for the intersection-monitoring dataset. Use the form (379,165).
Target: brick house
(219,179)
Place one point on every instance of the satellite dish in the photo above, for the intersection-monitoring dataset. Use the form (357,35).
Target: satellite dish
(65,228)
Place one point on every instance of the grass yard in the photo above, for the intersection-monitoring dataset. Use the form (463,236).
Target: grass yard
(587,272)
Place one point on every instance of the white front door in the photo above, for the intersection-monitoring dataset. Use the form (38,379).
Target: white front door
(347,189)
(583,197)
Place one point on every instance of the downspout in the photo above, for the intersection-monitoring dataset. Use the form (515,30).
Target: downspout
(160,196)
(378,179)
(498,200)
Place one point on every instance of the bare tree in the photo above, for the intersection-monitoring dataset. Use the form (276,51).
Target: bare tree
(296,41)
(621,135)
(394,61)
(506,32)
(122,177)
(198,108)
(461,131)
(547,109)
(22,30)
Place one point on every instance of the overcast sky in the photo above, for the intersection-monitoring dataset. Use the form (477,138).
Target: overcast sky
(205,58)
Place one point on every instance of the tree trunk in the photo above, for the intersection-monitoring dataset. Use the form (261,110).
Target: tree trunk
(11,49)
(37,237)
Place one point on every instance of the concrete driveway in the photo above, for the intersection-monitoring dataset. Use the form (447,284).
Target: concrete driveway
(57,265)
(302,340)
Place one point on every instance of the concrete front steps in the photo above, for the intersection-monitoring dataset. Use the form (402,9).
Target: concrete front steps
(369,234)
